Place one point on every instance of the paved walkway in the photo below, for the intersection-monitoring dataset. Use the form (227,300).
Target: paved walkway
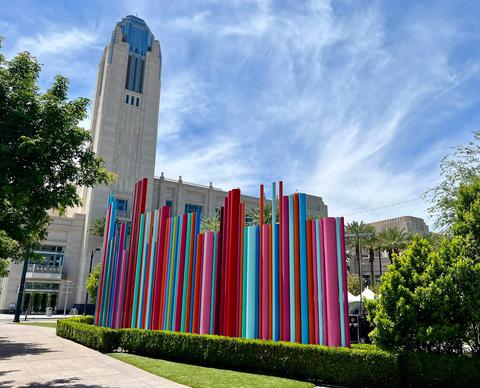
(7,318)
(33,357)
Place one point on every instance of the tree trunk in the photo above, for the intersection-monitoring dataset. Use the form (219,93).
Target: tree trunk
(357,252)
(372,260)
(390,256)
(380,260)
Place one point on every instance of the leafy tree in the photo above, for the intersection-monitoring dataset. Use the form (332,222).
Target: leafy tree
(8,247)
(459,167)
(434,239)
(44,155)
(467,214)
(210,224)
(393,240)
(429,300)
(353,284)
(97,228)
(92,283)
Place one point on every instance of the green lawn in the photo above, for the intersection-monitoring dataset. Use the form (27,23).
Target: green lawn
(199,376)
(41,324)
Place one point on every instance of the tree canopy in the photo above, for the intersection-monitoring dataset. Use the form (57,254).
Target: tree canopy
(393,240)
(429,299)
(44,154)
(92,283)
(459,167)
(253,216)
(97,228)
(210,224)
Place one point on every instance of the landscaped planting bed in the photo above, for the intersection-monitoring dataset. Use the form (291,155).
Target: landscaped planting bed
(353,367)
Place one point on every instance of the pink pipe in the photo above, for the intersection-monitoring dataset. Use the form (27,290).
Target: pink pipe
(331,281)
(121,288)
(344,277)
(315,280)
(207,284)
(285,273)
(324,289)
(265,274)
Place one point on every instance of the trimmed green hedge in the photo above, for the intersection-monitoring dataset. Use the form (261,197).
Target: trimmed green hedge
(310,362)
(81,330)
(439,370)
(359,366)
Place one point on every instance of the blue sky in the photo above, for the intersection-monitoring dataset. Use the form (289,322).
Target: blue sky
(355,101)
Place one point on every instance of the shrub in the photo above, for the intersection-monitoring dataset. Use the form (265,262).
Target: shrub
(88,319)
(421,369)
(92,282)
(429,300)
(360,366)
(364,367)
(81,330)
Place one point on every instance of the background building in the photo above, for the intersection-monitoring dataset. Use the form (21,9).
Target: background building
(408,224)
(124,129)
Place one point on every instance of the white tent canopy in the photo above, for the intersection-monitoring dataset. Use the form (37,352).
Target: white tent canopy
(368,294)
(353,298)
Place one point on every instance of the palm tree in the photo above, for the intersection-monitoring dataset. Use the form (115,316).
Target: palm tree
(253,216)
(359,232)
(210,224)
(435,239)
(372,243)
(394,240)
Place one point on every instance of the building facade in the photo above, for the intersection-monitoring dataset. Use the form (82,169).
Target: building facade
(124,130)
(408,224)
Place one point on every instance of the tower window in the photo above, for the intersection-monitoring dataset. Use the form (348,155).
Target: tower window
(126,98)
(135,70)
(132,100)
(137,101)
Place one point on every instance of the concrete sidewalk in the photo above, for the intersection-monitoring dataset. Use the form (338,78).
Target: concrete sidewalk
(4,318)
(33,356)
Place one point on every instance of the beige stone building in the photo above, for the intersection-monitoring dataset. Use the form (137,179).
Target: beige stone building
(408,224)
(124,128)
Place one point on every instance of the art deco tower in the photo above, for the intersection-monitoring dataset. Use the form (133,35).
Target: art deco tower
(124,121)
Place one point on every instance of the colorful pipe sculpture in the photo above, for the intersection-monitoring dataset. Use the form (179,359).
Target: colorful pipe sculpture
(283,281)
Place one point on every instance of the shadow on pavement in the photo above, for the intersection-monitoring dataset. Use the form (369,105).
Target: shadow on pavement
(10,349)
(57,383)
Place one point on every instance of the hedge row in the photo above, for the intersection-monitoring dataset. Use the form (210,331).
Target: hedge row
(316,363)
(439,370)
(81,330)
(355,367)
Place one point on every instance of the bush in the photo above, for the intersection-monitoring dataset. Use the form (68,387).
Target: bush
(81,330)
(439,370)
(364,367)
(360,366)
(88,319)
(429,300)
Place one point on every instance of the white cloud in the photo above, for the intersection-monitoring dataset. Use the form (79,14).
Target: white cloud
(183,97)
(59,41)
(321,98)
(210,159)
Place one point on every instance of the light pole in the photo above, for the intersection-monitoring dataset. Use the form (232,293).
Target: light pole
(89,271)
(67,288)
